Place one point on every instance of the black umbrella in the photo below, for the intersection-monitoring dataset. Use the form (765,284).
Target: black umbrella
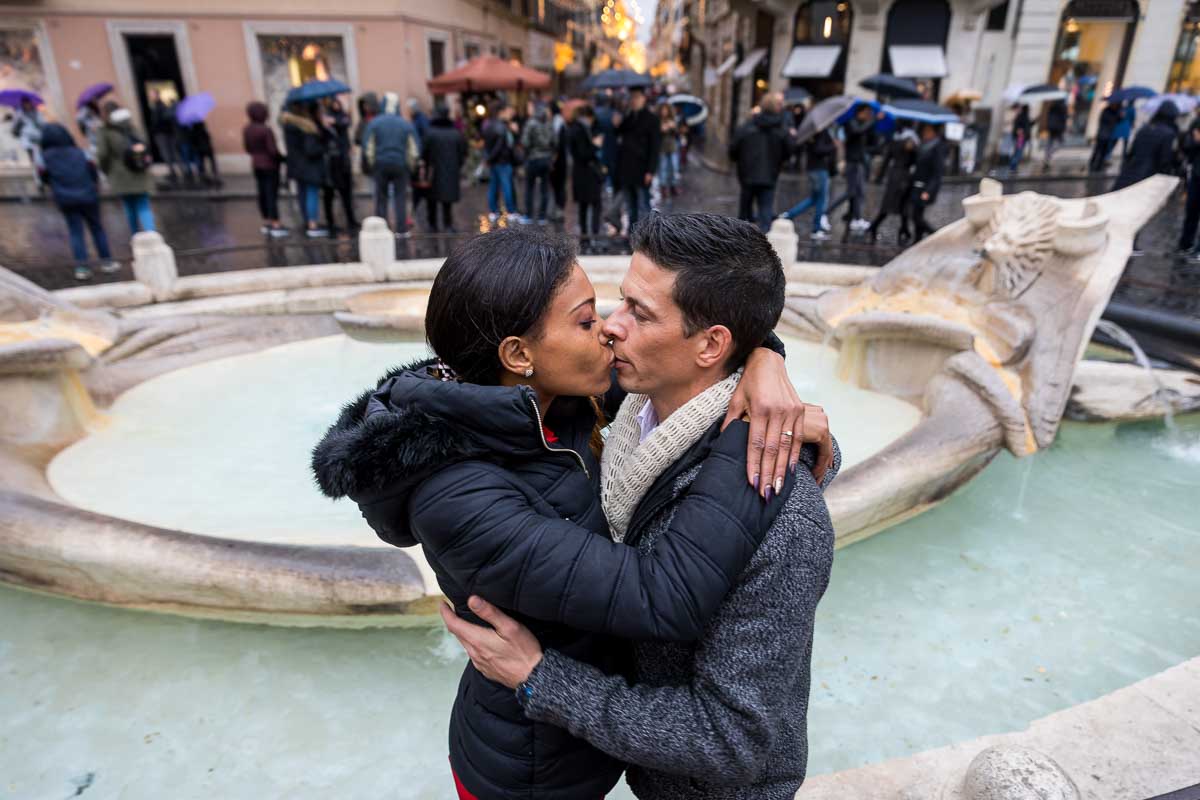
(891,86)
(795,96)
(616,79)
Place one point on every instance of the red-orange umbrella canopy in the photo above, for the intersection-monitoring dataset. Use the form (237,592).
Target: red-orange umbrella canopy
(489,74)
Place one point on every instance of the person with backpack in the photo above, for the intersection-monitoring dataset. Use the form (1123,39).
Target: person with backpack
(74,184)
(125,160)
(392,152)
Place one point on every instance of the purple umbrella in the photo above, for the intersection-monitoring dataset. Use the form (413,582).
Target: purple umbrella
(93,93)
(13,97)
(194,108)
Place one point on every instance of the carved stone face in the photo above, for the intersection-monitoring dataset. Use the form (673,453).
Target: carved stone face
(1016,243)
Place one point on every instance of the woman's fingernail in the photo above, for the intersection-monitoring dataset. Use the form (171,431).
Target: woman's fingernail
(778,485)
(794,467)
(756,481)
(769,494)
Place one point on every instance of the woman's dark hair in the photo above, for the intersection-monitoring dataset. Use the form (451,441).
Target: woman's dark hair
(494,286)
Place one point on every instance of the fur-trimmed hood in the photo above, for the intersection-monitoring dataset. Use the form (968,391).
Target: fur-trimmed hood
(412,424)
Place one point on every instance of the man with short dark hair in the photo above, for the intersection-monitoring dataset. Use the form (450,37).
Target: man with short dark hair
(723,718)
(759,148)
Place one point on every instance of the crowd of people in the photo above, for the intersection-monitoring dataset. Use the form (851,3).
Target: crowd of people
(912,166)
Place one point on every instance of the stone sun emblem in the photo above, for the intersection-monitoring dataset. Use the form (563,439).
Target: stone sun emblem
(1018,240)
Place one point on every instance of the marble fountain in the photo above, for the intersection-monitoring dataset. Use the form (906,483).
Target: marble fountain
(146,427)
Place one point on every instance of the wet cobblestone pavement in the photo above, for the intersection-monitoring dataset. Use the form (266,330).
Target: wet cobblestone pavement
(216,231)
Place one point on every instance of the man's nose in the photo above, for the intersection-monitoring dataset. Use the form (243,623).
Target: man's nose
(612,327)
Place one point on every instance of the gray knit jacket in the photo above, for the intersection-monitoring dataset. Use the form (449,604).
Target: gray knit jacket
(723,718)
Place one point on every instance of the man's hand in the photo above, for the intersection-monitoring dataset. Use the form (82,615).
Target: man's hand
(648,178)
(780,423)
(924,197)
(506,653)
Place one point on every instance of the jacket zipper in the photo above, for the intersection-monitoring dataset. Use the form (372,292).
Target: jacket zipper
(542,433)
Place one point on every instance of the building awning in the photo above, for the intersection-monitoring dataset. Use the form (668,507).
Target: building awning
(750,62)
(727,64)
(1105,10)
(918,60)
(812,61)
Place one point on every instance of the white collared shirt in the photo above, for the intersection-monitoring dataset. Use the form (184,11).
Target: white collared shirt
(648,420)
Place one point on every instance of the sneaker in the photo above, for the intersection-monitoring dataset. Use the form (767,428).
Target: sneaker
(492,217)
(82,274)
(860,224)
(825,226)
(110,267)
(819,236)
(316,233)
(279,233)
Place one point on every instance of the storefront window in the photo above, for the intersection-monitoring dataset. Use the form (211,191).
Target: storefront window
(823,22)
(1185,68)
(1090,54)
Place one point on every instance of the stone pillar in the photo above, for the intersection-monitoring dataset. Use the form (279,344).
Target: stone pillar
(786,242)
(154,265)
(1154,44)
(377,246)
(866,44)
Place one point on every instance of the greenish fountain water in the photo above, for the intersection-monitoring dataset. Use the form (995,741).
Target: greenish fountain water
(975,618)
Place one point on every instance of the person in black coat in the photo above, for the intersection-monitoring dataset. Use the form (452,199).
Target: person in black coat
(759,148)
(486,456)
(1189,146)
(637,154)
(1153,150)
(1022,130)
(302,136)
(339,180)
(1110,117)
(444,149)
(927,174)
(1056,126)
(897,166)
(587,169)
(73,181)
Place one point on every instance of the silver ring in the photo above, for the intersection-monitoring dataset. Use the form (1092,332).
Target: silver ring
(788,434)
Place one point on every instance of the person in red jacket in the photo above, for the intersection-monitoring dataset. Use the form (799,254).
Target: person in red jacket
(259,141)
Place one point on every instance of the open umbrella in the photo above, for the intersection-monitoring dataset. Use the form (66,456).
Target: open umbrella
(1130,93)
(14,97)
(823,115)
(694,109)
(920,111)
(1040,93)
(1184,102)
(194,108)
(891,86)
(488,74)
(315,90)
(616,79)
(93,93)
(796,95)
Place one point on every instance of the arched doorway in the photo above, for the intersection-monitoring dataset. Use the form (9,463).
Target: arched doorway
(1090,55)
(820,43)
(915,42)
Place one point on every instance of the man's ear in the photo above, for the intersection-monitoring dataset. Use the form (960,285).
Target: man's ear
(515,356)
(716,345)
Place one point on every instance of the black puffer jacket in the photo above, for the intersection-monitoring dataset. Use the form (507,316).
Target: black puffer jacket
(1153,149)
(504,511)
(759,148)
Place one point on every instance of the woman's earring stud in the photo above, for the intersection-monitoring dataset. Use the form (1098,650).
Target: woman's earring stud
(529,372)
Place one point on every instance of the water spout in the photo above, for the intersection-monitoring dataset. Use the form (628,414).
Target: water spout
(1162,394)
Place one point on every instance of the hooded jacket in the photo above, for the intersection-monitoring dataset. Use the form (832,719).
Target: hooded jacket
(388,138)
(505,504)
(71,175)
(759,149)
(1153,148)
(259,140)
(444,149)
(305,148)
(114,139)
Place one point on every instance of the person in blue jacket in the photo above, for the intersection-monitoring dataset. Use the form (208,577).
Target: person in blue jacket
(73,180)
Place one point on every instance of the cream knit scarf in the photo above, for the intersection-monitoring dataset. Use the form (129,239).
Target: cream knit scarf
(628,469)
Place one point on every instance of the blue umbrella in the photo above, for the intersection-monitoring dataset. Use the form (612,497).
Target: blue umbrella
(315,90)
(1130,93)
(920,111)
(1087,80)
(891,86)
(13,97)
(194,108)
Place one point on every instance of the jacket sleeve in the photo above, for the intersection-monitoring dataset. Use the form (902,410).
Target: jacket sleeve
(486,533)
(719,726)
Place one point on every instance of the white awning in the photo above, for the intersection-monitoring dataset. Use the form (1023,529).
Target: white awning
(918,61)
(812,61)
(727,64)
(750,62)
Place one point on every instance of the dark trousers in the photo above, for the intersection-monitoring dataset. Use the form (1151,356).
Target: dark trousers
(856,189)
(537,171)
(1191,218)
(431,207)
(762,197)
(589,208)
(638,200)
(76,217)
(395,179)
(905,233)
(920,224)
(1099,154)
(267,183)
(342,186)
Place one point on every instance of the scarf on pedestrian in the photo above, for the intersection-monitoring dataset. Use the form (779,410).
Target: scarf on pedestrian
(629,466)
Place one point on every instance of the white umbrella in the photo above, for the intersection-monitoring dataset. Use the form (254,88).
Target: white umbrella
(1185,103)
